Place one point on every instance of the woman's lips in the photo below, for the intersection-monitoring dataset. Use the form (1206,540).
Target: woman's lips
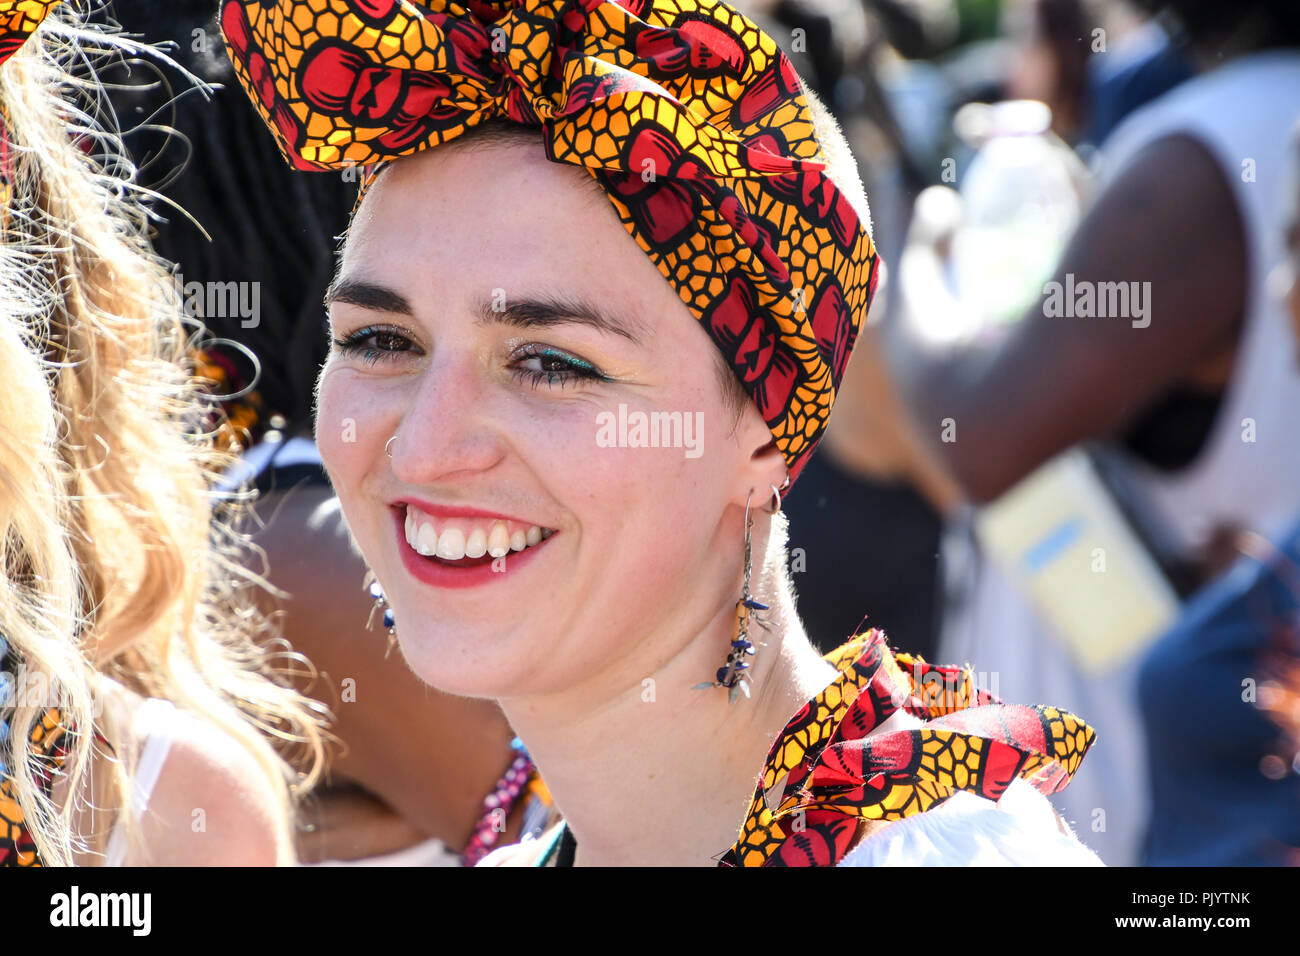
(454,536)
(451,566)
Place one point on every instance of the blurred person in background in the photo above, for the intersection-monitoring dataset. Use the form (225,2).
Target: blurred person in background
(1050,63)
(1187,400)
(859,491)
(1225,777)
(1142,55)
(1092,62)
(144,717)
(420,777)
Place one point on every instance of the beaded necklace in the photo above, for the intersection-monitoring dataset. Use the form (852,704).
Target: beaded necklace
(520,778)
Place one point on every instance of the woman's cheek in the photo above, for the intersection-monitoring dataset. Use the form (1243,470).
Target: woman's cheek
(349,424)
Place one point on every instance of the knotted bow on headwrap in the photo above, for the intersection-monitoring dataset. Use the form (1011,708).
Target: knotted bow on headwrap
(687,114)
(18,20)
(824,775)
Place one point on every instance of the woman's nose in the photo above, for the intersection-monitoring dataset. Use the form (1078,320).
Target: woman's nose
(447,430)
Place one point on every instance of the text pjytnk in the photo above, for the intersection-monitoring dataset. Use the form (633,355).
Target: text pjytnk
(638,429)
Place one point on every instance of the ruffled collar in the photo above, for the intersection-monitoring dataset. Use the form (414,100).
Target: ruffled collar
(824,778)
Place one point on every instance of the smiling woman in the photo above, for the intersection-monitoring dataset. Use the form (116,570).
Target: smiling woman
(489,315)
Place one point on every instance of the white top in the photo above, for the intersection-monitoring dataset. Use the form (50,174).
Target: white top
(968,830)
(152,723)
(431,852)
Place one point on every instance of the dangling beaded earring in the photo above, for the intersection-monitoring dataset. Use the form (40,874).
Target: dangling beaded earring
(732,674)
(376,592)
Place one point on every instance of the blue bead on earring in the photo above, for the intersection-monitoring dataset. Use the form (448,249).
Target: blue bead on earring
(376,592)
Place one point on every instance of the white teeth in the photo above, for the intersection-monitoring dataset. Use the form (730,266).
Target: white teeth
(456,542)
(426,542)
(476,546)
(451,544)
(498,542)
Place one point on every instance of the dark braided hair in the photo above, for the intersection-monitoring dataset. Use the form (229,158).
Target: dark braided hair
(268,224)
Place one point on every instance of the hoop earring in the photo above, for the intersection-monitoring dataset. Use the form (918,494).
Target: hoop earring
(776,493)
(388,446)
(732,674)
(376,592)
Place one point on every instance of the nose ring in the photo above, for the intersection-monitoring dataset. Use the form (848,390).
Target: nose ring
(388,446)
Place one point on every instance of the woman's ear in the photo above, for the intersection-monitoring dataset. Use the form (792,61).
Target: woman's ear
(765,468)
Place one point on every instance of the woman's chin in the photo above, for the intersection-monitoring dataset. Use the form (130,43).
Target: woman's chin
(470,663)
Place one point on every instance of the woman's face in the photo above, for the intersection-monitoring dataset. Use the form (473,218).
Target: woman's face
(493,314)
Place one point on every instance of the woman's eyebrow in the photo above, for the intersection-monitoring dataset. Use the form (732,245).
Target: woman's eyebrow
(367,295)
(531,312)
(545,311)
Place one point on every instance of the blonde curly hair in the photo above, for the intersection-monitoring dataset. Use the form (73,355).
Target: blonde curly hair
(115,565)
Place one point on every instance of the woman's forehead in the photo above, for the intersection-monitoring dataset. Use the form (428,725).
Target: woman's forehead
(499,216)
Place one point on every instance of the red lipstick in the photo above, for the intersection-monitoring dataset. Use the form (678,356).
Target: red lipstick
(443,511)
(473,573)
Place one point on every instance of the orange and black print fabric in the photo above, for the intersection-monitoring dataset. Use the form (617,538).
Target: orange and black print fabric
(18,20)
(48,749)
(689,116)
(823,776)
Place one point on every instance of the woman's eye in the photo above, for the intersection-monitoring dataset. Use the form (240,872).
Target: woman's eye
(539,365)
(373,344)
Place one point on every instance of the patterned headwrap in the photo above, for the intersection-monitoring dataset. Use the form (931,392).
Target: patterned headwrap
(689,117)
(18,20)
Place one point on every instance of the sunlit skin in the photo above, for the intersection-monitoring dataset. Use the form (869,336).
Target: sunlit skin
(593,645)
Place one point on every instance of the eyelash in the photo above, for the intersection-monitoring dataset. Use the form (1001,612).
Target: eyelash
(576,369)
(352,344)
